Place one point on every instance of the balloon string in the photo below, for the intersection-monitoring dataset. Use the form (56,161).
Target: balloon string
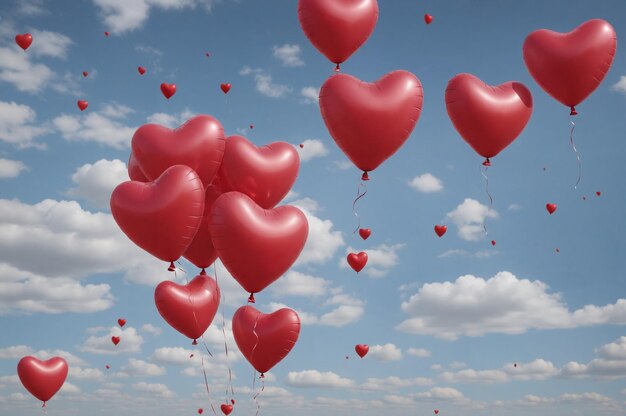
(256,396)
(571,141)
(230,372)
(206,384)
(484,173)
(359,195)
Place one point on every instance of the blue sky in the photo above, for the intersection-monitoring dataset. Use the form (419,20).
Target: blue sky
(446,318)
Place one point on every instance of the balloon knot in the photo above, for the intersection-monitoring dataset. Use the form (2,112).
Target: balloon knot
(487,162)
(195,342)
(203,272)
(573,111)
(251,298)
(172,268)
(337,68)
(44,404)
(365,176)
(262,375)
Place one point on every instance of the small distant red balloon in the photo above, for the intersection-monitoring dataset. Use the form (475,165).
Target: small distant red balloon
(200,411)
(85,74)
(24,40)
(301,145)
(493,242)
(598,193)
(82,105)
(232,401)
(168,90)
(251,126)
(362,349)
(106,34)
(115,340)
(440,230)
(365,233)
(107,366)
(225,88)
(558,250)
(428,19)
(207,54)
(551,208)
(121,322)
(141,70)
(584,198)
(436,411)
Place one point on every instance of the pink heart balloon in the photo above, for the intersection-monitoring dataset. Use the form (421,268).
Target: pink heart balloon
(570,66)
(189,308)
(337,28)
(42,378)
(370,122)
(265,339)
(265,174)
(257,246)
(199,144)
(163,216)
(201,252)
(488,118)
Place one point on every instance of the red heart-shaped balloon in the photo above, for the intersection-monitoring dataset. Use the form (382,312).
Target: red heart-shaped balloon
(365,233)
(201,252)
(168,90)
(362,349)
(134,171)
(106,34)
(440,230)
(226,408)
(200,411)
(163,216)
(24,40)
(265,339)
(570,66)
(115,340)
(370,122)
(493,242)
(199,144)
(189,308)
(107,366)
(225,88)
(357,261)
(598,193)
(85,73)
(121,322)
(142,71)
(428,19)
(488,118)
(551,208)
(257,246)
(337,28)
(82,105)
(436,411)
(42,378)
(265,174)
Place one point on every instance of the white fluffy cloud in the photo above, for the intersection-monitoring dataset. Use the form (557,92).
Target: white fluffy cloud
(175,355)
(157,389)
(312,148)
(11,168)
(17,124)
(426,183)
(299,284)
(171,120)
(470,217)
(380,259)
(95,182)
(265,84)
(140,368)
(620,86)
(418,352)
(394,383)
(387,352)
(105,127)
(473,306)
(130,341)
(288,55)
(16,352)
(50,44)
(310,95)
(151,329)
(81,373)
(316,379)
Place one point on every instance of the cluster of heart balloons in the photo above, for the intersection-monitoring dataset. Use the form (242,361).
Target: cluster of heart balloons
(196,194)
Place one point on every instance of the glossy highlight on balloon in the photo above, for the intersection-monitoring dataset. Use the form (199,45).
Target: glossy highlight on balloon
(265,339)
(43,379)
(371,121)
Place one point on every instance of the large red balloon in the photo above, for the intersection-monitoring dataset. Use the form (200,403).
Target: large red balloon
(161,217)
(134,171)
(199,144)
(570,66)
(265,174)
(370,122)
(265,339)
(257,246)
(337,28)
(189,308)
(42,378)
(201,251)
(488,118)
